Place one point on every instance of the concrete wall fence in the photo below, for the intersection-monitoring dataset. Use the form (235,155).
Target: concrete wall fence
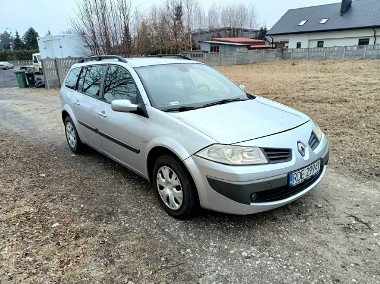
(55,70)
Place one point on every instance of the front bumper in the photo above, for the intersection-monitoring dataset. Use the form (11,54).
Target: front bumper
(229,189)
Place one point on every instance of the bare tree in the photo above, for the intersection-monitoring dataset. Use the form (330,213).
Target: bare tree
(105,25)
(236,17)
(213,17)
(110,27)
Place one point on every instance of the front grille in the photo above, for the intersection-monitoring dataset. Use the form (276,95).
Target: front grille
(284,192)
(313,141)
(275,156)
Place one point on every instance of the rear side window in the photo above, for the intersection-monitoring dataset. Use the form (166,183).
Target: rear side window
(92,79)
(119,84)
(72,78)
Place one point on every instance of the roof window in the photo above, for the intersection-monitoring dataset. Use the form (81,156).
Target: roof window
(324,20)
(302,23)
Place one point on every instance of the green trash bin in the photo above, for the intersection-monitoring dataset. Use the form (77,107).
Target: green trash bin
(21,79)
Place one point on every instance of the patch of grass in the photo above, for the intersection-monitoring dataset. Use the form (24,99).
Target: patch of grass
(72,274)
(342,96)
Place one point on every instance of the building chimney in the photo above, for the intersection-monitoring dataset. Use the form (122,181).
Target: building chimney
(346,5)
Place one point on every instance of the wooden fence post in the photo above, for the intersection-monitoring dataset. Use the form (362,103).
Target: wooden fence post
(56,69)
(44,71)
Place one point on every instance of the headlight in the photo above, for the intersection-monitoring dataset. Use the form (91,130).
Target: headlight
(233,155)
(318,132)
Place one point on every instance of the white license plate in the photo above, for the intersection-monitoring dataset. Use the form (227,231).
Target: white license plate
(303,174)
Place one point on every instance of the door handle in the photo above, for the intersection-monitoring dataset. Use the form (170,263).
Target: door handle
(102,113)
(77,102)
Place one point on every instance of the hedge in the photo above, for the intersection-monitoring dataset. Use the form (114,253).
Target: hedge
(16,55)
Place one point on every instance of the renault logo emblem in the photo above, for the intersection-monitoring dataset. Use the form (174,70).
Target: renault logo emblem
(301,148)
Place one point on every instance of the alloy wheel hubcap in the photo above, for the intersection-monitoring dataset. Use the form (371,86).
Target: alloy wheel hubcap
(70,134)
(169,187)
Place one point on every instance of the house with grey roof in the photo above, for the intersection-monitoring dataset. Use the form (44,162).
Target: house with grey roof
(341,24)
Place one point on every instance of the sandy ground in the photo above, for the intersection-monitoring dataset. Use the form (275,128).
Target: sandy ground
(66,218)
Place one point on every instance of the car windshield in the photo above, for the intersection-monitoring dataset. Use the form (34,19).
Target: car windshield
(181,87)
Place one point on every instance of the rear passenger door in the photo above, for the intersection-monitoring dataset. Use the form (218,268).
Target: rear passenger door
(86,104)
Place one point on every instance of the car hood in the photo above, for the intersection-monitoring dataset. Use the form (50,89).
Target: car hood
(236,122)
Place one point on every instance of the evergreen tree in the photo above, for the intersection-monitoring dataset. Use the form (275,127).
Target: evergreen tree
(5,40)
(18,44)
(30,39)
(262,33)
(178,27)
(127,41)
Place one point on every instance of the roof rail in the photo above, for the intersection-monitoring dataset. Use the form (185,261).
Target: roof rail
(182,56)
(102,57)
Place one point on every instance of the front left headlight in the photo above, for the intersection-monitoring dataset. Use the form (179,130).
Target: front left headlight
(318,131)
(233,155)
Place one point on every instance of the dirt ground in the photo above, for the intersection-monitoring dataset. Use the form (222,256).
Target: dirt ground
(342,96)
(67,218)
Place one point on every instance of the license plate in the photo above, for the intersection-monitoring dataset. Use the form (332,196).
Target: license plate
(301,175)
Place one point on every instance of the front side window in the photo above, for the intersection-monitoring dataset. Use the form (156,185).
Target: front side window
(72,78)
(298,45)
(92,80)
(320,43)
(119,84)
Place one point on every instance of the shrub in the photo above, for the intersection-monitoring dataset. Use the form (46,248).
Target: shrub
(16,55)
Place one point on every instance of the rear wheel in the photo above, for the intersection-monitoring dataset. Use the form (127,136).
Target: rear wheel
(72,136)
(175,188)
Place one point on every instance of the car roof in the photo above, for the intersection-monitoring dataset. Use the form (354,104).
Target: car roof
(141,61)
(148,61)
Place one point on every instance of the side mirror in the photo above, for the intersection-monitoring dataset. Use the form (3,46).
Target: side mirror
(242,87)
(123,106)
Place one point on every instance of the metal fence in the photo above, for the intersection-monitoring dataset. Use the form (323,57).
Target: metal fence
(55,69)
(22,62)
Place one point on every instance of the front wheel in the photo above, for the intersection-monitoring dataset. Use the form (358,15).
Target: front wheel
(175,188)
(72,136)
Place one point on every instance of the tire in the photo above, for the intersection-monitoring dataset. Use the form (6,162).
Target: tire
(175,188)
(72,137)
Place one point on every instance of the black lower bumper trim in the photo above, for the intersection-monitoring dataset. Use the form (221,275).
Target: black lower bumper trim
(266,191)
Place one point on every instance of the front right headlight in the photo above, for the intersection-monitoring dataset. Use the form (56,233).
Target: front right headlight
(233,155)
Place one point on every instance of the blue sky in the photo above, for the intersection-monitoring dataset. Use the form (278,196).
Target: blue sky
(54,15)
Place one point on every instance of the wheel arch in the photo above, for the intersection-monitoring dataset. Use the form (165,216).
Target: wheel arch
(64,115)
(67,111)
(157,152)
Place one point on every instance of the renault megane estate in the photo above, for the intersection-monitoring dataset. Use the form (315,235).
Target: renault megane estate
(200,139)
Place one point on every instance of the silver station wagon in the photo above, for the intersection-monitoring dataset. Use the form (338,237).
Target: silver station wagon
(198,137)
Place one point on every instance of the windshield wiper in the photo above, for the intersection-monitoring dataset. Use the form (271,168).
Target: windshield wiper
(182,108)
(250,96)
(225,101)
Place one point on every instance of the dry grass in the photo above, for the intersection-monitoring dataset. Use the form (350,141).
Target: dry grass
(342,96)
